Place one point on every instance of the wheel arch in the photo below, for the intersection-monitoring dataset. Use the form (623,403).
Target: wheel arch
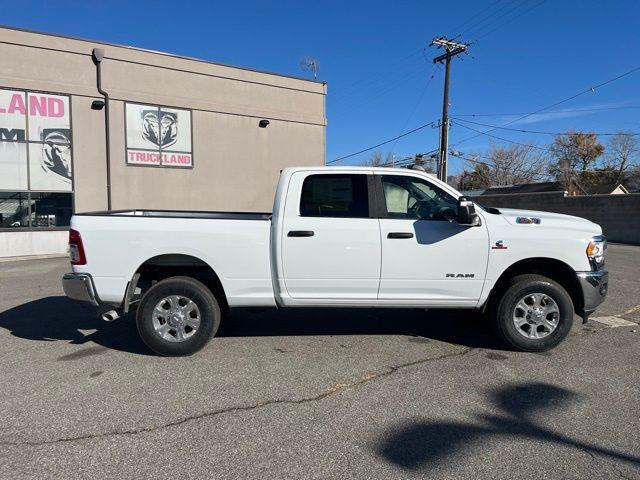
(555,269)
(167,265)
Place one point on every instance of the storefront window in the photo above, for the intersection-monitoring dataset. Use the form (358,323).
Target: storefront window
(35,210)
(50,210)
(14,209)
(35,159)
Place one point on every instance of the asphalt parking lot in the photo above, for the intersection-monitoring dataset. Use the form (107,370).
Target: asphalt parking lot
(314,393)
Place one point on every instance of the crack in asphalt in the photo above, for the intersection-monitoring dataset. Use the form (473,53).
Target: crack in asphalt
(595,459)
(339,387)
(629,312)
(619,471)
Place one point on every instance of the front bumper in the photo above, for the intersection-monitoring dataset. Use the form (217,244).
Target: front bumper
(595,286)
(79,287)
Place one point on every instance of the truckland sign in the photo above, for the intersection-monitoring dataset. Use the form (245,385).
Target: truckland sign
(35,141)
(158,136)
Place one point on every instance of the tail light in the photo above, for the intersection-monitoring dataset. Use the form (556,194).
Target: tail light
(76,249)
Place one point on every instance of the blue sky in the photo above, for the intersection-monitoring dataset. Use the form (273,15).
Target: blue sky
(372,55)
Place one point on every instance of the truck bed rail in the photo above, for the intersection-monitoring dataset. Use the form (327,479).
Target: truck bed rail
(180,214)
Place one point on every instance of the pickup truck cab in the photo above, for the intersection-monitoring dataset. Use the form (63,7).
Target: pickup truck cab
(340,236)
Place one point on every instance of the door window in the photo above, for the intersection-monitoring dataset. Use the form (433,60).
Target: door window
(335,196)
(415,198)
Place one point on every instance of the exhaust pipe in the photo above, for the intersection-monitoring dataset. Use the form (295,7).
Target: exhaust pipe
(110,316)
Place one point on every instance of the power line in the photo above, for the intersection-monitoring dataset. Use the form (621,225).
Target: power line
(485,34)
(588,90)
(466,22)
(382,143)
(451,51)
(490,17)
(354,102)
(417,104)
(499,138)
(630,134)
(411,159)
(492,164)
(433,74)
(460,155)
(376,77)
(400,162)
(573,110)
(507,9)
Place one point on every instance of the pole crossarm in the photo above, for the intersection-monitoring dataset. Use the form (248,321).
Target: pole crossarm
(449,54)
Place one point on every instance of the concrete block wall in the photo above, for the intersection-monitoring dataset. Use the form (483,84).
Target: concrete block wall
(20,244)
(618,215)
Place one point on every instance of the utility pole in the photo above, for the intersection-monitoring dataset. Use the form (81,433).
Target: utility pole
(452,49)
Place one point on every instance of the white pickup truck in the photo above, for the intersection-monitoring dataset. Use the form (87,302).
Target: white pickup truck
(340,236)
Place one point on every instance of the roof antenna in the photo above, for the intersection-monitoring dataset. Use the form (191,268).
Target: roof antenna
(311,65)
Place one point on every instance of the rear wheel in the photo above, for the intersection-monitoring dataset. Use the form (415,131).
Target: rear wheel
(534,314)
(177,316)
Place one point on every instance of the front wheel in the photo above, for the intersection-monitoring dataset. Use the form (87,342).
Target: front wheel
(177,316)
(534,314)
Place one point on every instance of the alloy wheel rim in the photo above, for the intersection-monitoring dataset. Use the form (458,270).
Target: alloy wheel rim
(536,315)
(176,318)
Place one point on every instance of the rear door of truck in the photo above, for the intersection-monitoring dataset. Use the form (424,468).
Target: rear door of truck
(330,236)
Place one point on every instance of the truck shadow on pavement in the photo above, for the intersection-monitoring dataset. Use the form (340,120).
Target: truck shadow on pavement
(420,444)
(461,327)
(58,318)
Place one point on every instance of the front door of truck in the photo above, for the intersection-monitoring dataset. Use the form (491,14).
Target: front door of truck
(426,254)
(330,239)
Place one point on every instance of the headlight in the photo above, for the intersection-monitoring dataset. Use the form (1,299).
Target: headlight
(596,251)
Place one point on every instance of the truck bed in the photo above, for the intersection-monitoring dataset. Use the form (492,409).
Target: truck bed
(236,245)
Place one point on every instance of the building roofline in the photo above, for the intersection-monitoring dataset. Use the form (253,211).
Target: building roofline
(157,52)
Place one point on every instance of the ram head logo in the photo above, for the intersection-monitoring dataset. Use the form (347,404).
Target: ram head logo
(56,151)
(160,128)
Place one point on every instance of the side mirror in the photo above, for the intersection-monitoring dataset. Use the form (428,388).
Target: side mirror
(467,213)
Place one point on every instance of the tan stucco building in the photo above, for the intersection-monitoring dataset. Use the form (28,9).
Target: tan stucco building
(184,134)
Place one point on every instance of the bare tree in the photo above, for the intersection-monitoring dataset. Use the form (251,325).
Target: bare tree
(574,153)
(478,178)
(633,179)
(506,165)
(622,156)
(516,164)
(577,149)
(377,160)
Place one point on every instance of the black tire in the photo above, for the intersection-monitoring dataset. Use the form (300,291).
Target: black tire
(517,288)
(209,316)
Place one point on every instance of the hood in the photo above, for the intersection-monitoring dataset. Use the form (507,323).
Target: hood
(549,219)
